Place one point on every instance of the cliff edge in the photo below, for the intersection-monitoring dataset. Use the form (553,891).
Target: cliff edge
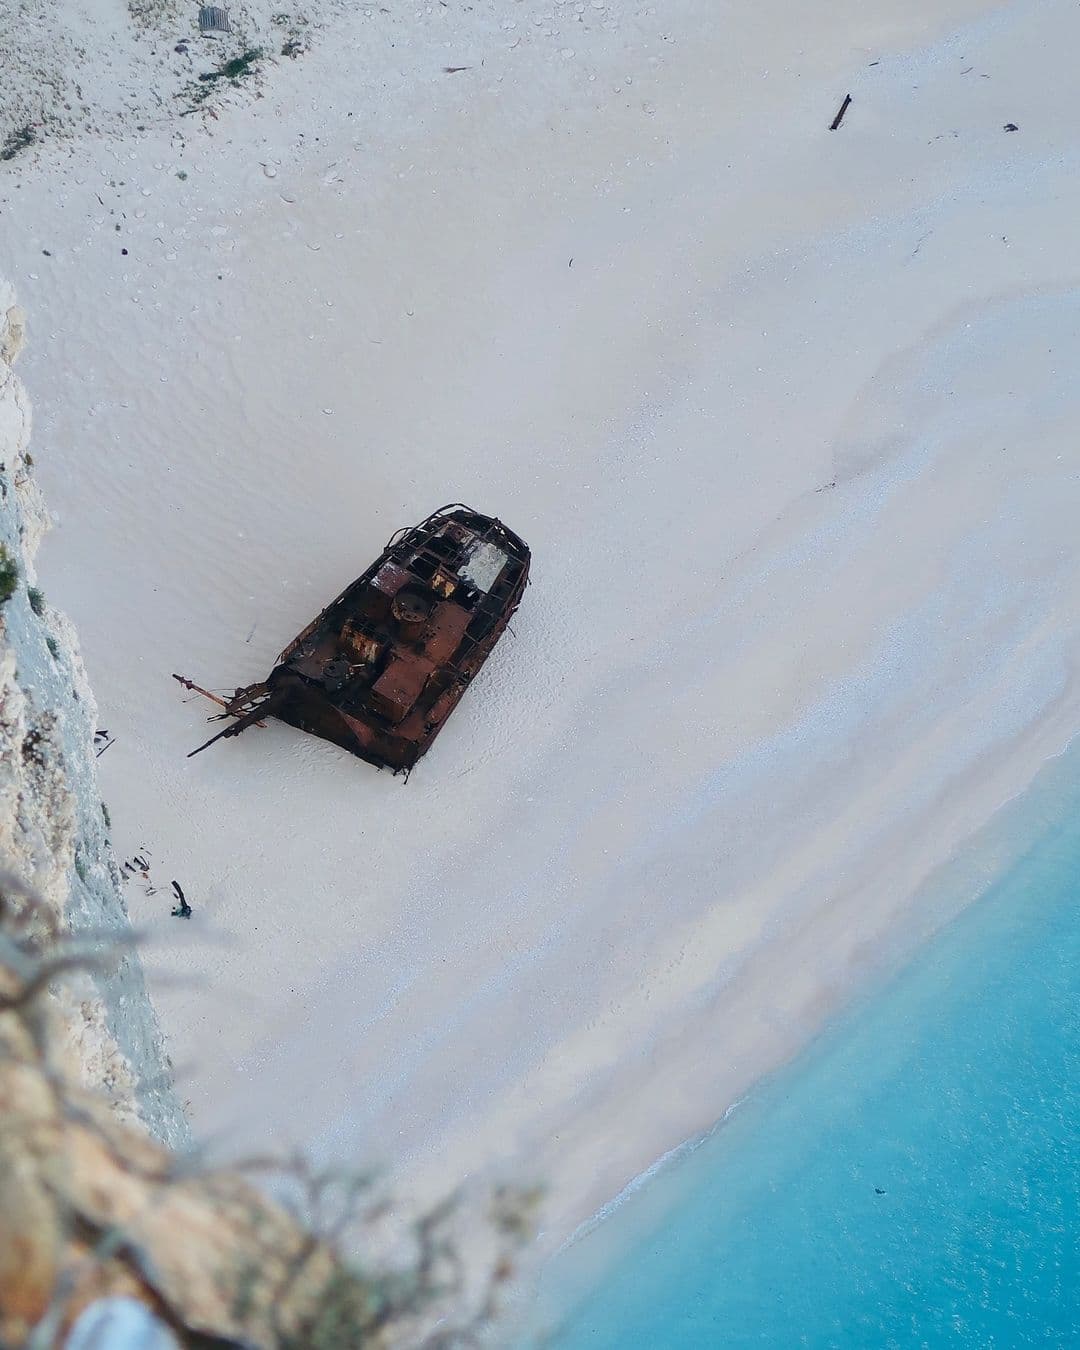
(54,827)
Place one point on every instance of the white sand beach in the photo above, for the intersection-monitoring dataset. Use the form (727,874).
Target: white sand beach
(788,417)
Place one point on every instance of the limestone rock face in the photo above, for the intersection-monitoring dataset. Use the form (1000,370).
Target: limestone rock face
(53,826)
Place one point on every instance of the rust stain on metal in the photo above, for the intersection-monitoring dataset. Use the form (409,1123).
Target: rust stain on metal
(381,668)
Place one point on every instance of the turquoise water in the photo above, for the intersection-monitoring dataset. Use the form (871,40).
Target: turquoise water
(913,1180)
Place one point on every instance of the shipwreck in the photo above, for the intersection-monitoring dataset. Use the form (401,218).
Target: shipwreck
(384,665)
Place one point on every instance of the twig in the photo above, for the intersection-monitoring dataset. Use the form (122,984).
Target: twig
(834,125)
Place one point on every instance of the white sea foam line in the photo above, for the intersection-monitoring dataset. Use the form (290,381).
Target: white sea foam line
(669,1159)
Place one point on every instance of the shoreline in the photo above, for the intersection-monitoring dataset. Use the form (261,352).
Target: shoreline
(795,1120)
(956,883)
(827,626)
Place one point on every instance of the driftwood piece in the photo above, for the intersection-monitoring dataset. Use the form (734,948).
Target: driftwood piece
(835,123)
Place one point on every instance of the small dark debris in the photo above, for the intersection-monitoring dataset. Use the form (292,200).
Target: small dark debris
(31,747)
(453,70)
(235,69)
(124,252)
(183,909)
(17,141)
(878,1190)
(1010,126)
(46,252)
(835,123)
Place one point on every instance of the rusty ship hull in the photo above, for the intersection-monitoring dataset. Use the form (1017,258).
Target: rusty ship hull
(380,670)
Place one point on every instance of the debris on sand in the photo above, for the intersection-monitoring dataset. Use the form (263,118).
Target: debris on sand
(182,910)
(835,123)
(18,140)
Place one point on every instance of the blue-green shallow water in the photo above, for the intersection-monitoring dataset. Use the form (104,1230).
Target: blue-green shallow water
(912,1180)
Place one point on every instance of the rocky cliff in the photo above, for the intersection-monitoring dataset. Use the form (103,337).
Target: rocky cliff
(54,827)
